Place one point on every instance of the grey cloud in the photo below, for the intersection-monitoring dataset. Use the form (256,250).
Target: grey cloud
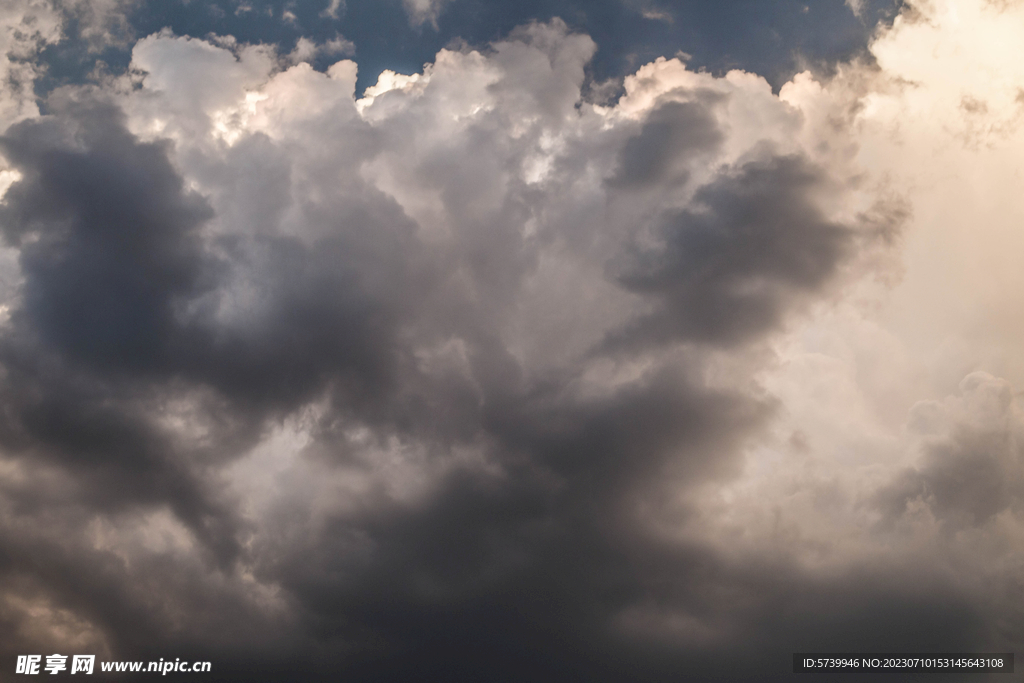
(147,604)
(561,596)
(120,278)
(109,248)
(672,133)
(971,469)
(965,480)
(158,341)
(731,268)
(109,239)
(117,319)
(545,571)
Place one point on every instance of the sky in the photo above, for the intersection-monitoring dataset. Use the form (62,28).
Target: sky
(474,341)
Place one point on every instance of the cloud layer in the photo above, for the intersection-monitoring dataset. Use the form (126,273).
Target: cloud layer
(472,378)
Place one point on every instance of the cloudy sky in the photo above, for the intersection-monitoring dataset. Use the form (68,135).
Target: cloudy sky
(466,340)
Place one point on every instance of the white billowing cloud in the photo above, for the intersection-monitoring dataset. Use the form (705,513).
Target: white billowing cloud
(941,122)
(199,84)
(959,128)
(899,437)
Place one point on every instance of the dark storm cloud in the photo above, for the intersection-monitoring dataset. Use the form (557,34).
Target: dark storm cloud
(533,573)
(101,345)
(109,238)
(315,324)
(112,322)
(118,278)
(729,269)
(109,248)
(519,578)
(674,132)
(538,559)
(526,572)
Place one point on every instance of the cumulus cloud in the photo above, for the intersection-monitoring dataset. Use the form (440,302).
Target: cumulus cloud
(471,378)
